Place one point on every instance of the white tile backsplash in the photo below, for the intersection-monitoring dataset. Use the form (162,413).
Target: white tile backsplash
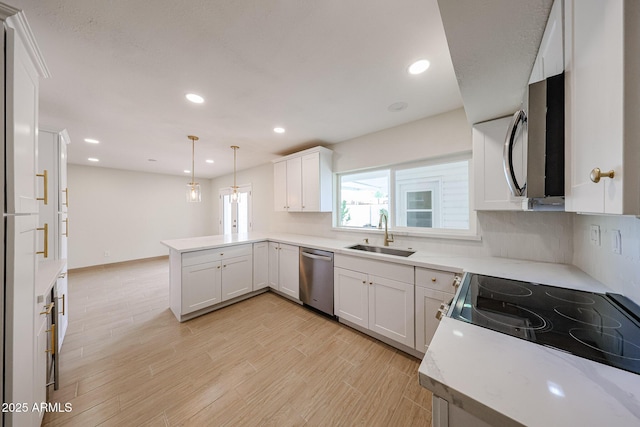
(621,272)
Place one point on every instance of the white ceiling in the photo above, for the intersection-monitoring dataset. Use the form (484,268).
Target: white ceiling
(325,70)
(493,46)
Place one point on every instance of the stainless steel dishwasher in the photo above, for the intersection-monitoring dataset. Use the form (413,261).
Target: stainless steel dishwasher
(316,279)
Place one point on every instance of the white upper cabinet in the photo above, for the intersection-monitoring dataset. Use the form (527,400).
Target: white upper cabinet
(491,191)
(303,181)
(550,59)
(602,47)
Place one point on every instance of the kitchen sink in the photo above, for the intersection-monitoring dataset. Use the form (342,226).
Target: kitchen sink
(382,250)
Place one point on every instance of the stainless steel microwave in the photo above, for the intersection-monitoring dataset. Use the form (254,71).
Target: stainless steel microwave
(543,183)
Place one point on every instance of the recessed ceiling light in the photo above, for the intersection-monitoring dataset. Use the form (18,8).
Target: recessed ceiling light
(278,130)
(397,106)
(419,67)
(196,99)
(91,141)
(209,161)
(187,171)
(93,159)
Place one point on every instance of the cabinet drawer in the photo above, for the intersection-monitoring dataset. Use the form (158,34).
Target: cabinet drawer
(217,254)
(435,279)
(389,270)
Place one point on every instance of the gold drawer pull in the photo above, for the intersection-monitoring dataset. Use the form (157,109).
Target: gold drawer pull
(45,252)
(45,176)
(48,308)
(596,174)
(66,197)
(52,331)
(66,228)
(63,303)
(433,279)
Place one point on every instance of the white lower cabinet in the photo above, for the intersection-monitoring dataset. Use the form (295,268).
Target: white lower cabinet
(62,307)
(383,305)
(201,286)
(433,287)
(260,265)
(211,276)
(40,369)
(284,267)
(236,277)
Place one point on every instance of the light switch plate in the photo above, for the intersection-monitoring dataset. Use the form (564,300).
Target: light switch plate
(594,235)
(616,242)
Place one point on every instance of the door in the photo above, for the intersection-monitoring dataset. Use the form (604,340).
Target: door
(21,126)
(594,103)
(62,307)
(427,304)
(289,270)
(236,277)
(391,309)
(201,286)
(260,265)
(235,217)
(294,184)
(311,182)
(63,195)
(351,296)
(280,186)
(274,265)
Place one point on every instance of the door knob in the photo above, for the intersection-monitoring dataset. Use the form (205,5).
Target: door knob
(596,174)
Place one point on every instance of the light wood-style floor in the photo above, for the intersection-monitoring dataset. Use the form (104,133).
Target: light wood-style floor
(126,361)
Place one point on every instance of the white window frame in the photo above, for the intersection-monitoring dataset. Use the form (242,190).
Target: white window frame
(445,233)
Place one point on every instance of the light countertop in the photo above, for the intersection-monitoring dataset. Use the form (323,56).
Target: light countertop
(505,381)
(541,272)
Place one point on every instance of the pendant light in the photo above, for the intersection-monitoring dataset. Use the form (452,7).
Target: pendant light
(193,188)
(234,195)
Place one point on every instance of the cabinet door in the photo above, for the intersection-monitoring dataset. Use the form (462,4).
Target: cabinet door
(280,186)
(289,266)
(21,100)
(236,277)
(63,235)
(43,341)
(48,213)
(594,103)
(63,190)
(201,286)
(260,265)
(490,185)
(274,265)
(391,309)
(311,182)
(294,184)
(351,296)
(62,307)
(427,304)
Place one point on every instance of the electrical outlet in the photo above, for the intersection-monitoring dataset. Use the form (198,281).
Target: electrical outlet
(107,253)
(616,242)
(594,235)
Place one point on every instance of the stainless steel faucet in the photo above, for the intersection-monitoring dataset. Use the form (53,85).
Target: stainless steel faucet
(387,239)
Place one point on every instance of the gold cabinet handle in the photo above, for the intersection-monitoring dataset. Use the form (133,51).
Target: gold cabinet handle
(66,197)
(52,331)
(48,308)
(66,228)
(45,252)
(63,303)
(45,176)
(596,174)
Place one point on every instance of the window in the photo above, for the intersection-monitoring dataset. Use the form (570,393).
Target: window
(363,197)
(235,217)
(422,197)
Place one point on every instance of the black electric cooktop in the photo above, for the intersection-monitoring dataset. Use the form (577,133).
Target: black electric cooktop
(600,327)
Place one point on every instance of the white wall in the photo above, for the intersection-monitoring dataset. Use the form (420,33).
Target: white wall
(621,272)
(540,236)
(128,213)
